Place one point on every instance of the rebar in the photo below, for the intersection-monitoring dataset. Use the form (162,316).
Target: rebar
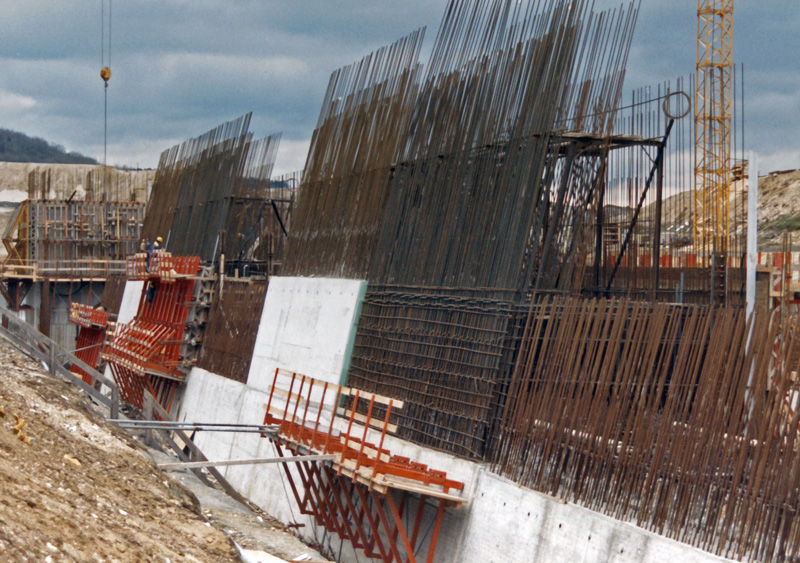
(208,191)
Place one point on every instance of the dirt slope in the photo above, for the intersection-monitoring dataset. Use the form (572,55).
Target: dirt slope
(80,491)
(778,212)
(778,208)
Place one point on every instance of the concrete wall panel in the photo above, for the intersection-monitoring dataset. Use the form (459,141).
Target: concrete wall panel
(508,523)
(130,301)
(305,327)
(211,398)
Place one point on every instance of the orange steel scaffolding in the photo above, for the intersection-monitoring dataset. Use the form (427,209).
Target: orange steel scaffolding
(356,494)
(93,325)
(146,353)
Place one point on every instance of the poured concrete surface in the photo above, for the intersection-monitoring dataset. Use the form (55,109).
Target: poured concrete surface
(305,327)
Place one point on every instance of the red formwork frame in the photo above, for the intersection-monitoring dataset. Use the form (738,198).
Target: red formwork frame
(354,495)
(87,316)
(160,264)
(145,354)
(93,323)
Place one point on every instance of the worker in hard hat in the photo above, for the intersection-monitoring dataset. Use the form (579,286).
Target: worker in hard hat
(157,245)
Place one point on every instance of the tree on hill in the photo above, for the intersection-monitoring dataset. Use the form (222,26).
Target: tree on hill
(18,147)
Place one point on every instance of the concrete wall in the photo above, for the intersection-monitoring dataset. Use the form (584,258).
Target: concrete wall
(512,524)
(62,331)
(306,326)
(130,301)
(127,185)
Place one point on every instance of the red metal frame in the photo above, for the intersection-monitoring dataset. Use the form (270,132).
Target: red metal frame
(162,265)
(93,323)
(354,496)
(145,354)
(87,316)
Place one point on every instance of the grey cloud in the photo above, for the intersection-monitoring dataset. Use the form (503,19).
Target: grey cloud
(183,66)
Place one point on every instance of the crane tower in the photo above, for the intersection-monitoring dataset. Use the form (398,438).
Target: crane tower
(713,107)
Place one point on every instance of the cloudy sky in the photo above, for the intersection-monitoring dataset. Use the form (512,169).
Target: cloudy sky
(181,67)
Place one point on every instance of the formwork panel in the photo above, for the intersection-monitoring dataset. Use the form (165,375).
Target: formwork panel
(75,239)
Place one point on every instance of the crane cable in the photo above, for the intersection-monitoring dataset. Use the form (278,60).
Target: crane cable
(105,74)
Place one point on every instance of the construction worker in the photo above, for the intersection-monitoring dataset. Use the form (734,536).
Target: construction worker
(157,245)
(151,291)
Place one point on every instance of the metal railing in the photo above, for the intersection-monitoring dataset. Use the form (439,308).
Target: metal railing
(78,268)
(59,361)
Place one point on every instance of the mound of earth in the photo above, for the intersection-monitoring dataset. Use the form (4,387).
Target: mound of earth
(77,490)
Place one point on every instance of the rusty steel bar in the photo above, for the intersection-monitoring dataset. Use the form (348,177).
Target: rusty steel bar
(642,411)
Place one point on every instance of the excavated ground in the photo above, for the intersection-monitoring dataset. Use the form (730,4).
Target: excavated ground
(76,489)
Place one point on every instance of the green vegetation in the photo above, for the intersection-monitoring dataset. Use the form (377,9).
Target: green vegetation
(18,147)
(786,223)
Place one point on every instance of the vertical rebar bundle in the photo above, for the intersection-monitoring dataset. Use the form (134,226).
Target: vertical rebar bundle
(668,416)
(448,177)
(209,190)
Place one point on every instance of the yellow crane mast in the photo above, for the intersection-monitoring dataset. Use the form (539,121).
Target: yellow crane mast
(713,107)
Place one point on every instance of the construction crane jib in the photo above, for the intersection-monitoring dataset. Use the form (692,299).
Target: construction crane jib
(713,109)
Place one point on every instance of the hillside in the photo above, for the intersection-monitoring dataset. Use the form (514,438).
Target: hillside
(18,147)
(778,212)
(76,489)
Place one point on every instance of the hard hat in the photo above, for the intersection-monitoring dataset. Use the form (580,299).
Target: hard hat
(159,240)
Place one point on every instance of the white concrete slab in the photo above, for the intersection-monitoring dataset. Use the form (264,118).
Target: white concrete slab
(130,301)
(509,523)
(305,327)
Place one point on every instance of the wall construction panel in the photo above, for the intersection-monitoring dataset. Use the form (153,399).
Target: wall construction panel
(305,327)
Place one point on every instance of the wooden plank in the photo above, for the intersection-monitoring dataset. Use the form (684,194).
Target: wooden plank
(312,404)
(256,461)
(421,489)
(309,380)
(373,422)
(279,413)
(370,452)
(362,475)
(396,403)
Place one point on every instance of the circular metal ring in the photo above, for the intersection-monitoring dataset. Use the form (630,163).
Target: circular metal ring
(665,105)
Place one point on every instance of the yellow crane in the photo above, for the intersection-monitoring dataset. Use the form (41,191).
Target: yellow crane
(713,103)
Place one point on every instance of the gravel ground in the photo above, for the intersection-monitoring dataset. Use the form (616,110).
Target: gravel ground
(76,489)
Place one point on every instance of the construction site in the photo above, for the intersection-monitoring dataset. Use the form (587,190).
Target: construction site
(508,311)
